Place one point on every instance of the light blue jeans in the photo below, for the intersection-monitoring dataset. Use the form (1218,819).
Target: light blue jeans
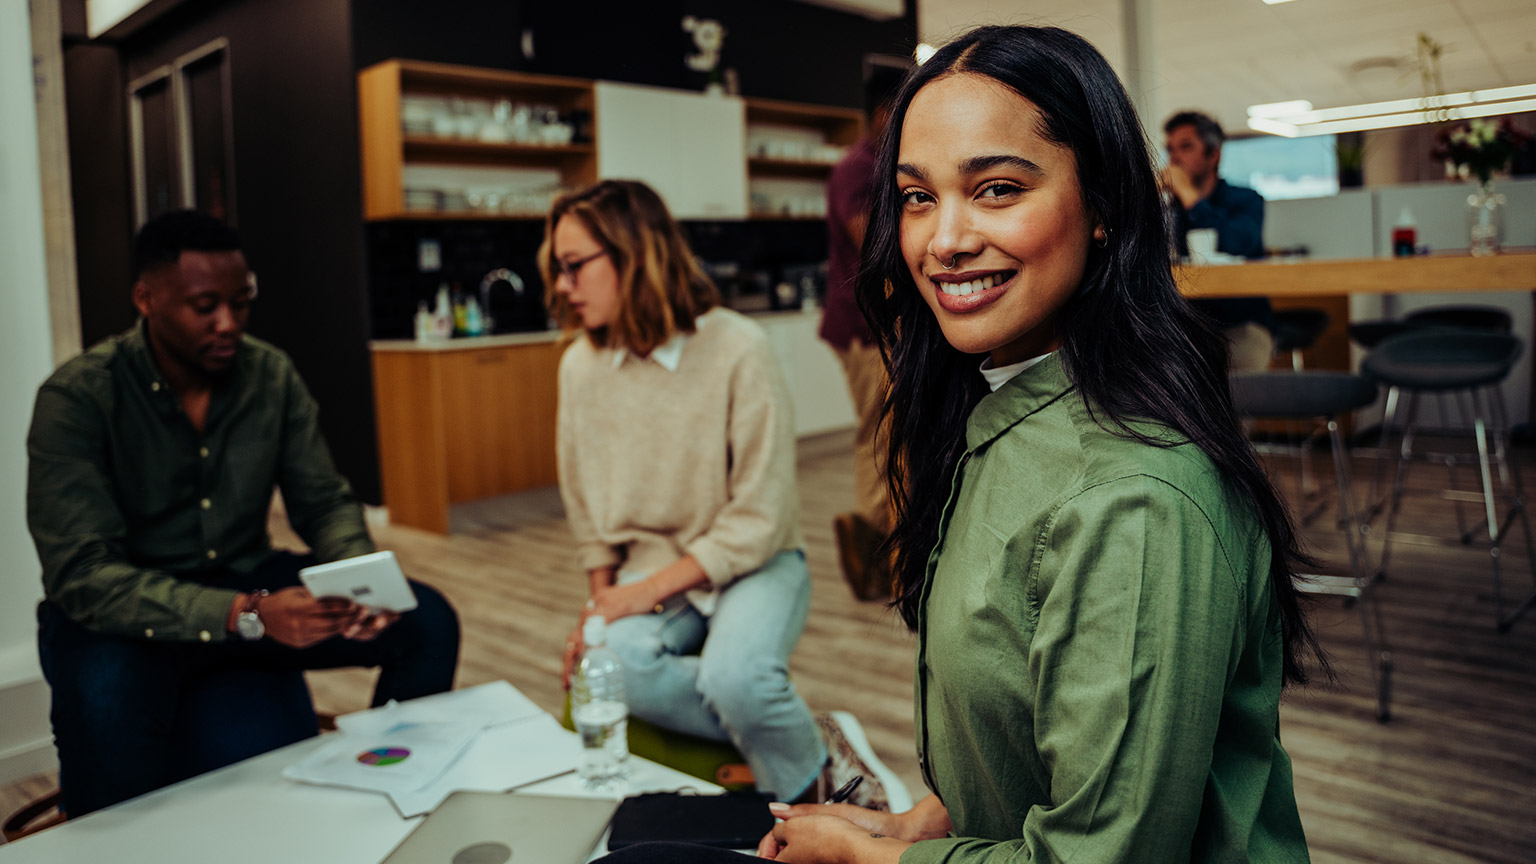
(726,677)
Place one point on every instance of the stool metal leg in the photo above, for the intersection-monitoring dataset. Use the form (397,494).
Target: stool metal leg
(1496,531)
(1501,434)
(1372,505)
(1360,585)
(1404,457)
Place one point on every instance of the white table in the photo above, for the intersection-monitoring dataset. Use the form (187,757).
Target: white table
(247,813)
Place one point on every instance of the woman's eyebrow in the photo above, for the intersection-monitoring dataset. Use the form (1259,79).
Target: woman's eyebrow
(978,164)
(912,171)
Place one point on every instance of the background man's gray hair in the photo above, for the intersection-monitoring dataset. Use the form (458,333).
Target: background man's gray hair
(1209,130)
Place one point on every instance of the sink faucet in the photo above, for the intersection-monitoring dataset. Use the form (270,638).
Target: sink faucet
(500,274)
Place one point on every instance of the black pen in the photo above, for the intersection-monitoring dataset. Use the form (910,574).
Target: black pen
(842,794)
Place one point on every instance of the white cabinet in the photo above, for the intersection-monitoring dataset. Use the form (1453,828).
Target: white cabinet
(686,146)
(815,377)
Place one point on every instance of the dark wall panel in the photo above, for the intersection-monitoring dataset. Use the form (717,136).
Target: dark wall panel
(99,186)
(780,49)
(297,193)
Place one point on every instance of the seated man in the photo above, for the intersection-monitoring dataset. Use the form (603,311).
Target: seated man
(1199,198)
(152,460)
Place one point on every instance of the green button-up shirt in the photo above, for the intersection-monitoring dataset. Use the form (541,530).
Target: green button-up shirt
(125,500)
(1099,667)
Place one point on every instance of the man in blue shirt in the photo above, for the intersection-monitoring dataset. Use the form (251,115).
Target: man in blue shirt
(1199,198)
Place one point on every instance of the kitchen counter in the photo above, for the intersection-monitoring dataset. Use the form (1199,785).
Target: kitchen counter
(466,343)
(471,418)
(463,419)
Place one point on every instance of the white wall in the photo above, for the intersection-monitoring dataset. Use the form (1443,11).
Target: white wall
(26,352)
(103,15)
(817,386)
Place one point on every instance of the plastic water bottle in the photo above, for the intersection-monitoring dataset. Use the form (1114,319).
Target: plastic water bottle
(600,710)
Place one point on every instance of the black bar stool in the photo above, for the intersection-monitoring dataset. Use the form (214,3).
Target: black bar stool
(1467,366)
(1296,329)
(1325,396)
(1369,334)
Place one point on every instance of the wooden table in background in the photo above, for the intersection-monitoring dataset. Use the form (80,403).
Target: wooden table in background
(1328,284)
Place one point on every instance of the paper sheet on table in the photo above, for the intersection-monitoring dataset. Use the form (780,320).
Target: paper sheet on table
(500,758)
(488,738)
(395,759)
(484,705)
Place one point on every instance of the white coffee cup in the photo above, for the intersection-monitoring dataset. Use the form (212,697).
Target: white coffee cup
(1202,244)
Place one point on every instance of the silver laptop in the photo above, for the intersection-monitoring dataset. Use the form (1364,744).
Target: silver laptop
(493,828)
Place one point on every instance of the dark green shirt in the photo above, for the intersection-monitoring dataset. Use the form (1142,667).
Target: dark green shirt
(1099,667)
(132,510)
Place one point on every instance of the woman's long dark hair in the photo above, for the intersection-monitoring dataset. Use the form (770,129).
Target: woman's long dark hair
(1133,346)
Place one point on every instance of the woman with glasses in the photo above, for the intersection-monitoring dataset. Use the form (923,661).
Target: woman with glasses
(677,468)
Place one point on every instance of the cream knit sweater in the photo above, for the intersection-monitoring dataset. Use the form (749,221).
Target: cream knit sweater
(657,464)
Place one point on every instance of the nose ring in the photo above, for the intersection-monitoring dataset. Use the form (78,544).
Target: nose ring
(949,266)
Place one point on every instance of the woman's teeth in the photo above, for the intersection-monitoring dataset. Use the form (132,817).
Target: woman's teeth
(961,289)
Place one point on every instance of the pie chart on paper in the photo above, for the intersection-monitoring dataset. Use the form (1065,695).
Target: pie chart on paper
(382,756)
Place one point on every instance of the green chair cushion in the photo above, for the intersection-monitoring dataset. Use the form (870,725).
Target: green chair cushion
(694,756)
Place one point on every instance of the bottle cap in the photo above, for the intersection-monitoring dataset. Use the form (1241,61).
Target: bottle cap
(594,631)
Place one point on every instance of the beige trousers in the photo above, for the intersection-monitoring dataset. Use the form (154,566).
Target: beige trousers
(1252,347)
(867,384)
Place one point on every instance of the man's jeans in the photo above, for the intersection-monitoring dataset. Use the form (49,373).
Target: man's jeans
(116,700)
(726,677)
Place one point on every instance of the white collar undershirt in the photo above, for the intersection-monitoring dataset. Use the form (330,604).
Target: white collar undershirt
(997,376)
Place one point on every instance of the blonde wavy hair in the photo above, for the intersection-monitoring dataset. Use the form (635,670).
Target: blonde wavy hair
(662,289)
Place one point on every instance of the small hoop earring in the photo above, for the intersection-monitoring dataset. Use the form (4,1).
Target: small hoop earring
(949,266)
(1102,242)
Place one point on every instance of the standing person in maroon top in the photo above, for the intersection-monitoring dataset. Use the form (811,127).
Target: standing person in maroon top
(859,533)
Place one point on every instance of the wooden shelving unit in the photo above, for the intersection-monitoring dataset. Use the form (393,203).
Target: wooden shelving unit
(838,127)
(387,150)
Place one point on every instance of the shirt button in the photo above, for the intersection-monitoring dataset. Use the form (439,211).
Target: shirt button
(205,636)
(207,505)
(212,554)
(155,386)
(203,452)
(149,632)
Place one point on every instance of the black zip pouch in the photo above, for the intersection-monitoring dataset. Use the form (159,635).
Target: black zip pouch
(735,820)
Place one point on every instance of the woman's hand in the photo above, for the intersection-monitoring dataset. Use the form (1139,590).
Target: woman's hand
(612,603)
(927,821)
(819,836)
(621,601)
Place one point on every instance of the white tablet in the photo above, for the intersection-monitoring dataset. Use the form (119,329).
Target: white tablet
(372,580)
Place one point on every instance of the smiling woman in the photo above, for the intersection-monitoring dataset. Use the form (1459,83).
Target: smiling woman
(994,229)
(1098,570)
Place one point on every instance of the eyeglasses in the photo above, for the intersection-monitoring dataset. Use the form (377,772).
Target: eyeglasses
(570,269)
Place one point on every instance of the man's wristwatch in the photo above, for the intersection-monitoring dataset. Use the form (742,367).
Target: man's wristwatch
(248,620)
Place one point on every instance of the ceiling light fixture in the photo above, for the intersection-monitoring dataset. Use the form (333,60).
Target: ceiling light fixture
(1298,119)
(1273,2)
(923,52)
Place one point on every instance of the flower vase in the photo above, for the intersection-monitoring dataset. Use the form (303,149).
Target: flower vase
(1485,220)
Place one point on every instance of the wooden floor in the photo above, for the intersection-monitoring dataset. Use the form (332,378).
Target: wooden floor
(1452,777)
